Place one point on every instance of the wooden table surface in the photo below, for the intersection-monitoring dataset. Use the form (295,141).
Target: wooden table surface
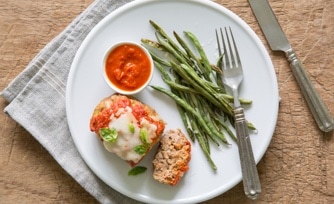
(299,164)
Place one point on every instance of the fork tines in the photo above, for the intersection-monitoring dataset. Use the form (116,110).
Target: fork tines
(232,58)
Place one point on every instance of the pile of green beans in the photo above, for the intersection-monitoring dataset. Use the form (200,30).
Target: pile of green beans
(196,87)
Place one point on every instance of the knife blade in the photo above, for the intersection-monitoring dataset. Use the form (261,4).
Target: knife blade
(279,42)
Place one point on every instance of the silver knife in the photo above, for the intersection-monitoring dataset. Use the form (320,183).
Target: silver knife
(278,42)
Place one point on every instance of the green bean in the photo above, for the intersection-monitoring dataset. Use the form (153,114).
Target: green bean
(162,70)
(165,40)
(202,89)
(205,111)
(184,104)
(206,150)
(251,126)
(179,87)
(211,87)
(189,126)
(152,43)
(200,50)
(170,49)
(204,143)
(158,59)
(230,98)
(219,120)
(192,58)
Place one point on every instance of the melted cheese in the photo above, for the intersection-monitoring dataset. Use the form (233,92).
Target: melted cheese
(150,128)
(127,140)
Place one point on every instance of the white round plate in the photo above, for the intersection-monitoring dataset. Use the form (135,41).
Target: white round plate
(86,88)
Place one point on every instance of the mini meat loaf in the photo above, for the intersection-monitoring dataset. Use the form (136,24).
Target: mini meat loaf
(127,127)
(172,158)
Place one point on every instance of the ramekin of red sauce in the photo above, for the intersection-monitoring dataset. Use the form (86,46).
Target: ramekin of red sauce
(127,67)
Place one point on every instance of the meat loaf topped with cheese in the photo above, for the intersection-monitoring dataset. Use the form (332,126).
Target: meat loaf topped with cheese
(172,158)
(127,127)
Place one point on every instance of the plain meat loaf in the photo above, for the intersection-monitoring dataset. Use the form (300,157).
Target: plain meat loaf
(172,158)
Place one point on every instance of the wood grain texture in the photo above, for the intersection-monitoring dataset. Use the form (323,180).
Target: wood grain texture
(299,164)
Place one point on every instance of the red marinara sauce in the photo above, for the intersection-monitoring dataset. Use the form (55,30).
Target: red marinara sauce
(128,67)
(102,119)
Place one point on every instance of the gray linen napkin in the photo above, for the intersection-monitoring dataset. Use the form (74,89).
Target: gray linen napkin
(37,99)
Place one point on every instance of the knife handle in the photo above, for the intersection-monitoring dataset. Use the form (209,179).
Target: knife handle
(251,181)
(318,109)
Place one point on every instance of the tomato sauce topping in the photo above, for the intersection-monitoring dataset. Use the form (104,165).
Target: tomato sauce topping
(103,118)
(128,67)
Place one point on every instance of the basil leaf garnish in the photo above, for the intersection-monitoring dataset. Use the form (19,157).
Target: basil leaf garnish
(137,170)
(140,149)
(109,135)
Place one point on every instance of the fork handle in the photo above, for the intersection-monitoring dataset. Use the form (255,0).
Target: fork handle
(251,181)
(318,109)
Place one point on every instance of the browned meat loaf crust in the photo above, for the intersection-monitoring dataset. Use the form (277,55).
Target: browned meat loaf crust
(172,158)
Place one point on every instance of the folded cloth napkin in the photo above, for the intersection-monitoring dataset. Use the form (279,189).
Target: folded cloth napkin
(37,99)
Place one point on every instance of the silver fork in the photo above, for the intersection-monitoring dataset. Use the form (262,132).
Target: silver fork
(232,77)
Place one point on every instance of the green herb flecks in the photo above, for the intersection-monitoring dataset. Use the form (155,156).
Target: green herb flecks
(131,128)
